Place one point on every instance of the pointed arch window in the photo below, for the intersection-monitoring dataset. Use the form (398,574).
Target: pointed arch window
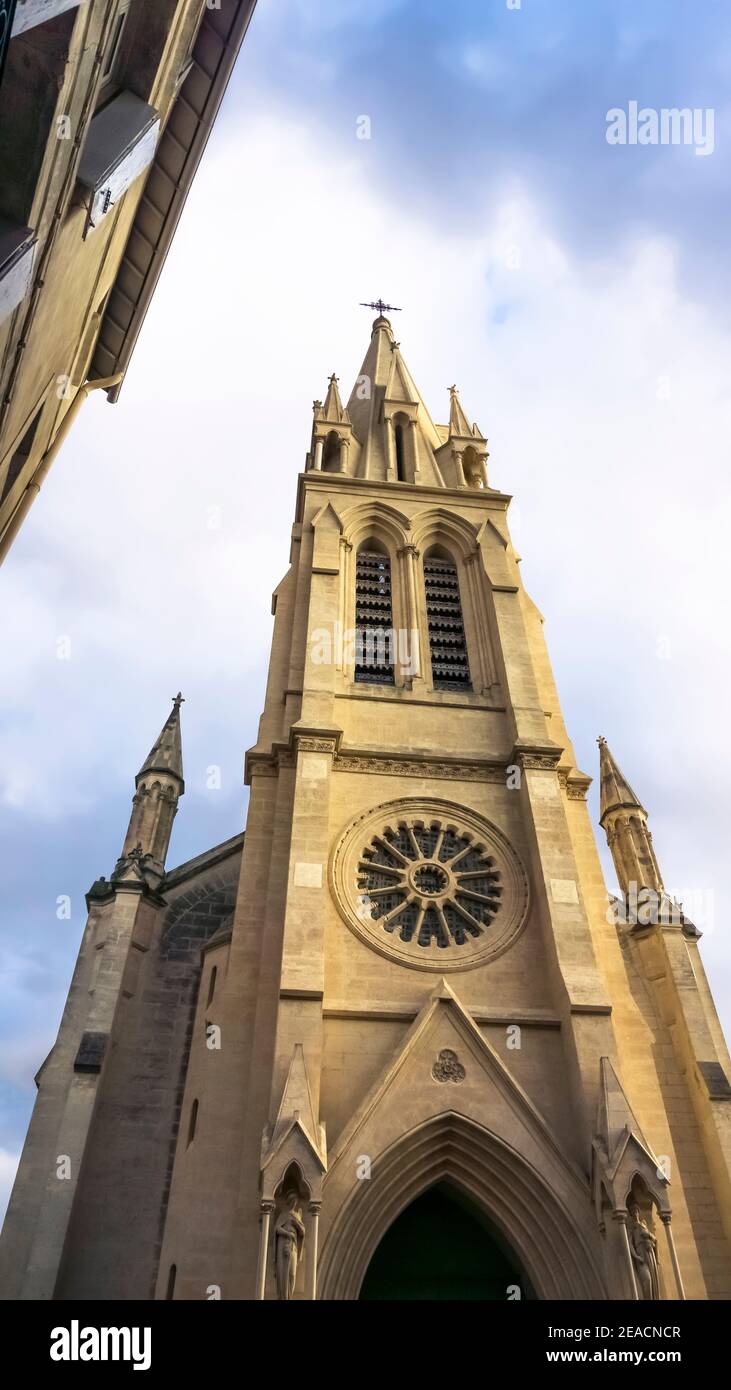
(374,636)
(212,984)
(447,643)
(400,455)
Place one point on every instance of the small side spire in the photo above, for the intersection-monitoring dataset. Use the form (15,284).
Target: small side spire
(159,786)
(332,411)
(166,754)
(332,433)
(459,425)
(615,791)
(624,821)
(465,447)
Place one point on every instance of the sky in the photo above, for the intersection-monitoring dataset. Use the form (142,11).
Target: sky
(576,292)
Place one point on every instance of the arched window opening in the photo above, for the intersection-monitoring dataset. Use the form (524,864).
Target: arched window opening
(400,454)
(212,984)
(193,1123)
(172,1276)
(331,454)
(374,635)
(447,644)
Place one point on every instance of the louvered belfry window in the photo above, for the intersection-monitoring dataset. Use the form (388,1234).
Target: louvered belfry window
(448,648)
(374,640)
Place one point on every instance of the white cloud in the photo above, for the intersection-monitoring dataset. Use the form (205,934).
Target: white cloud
(605,397)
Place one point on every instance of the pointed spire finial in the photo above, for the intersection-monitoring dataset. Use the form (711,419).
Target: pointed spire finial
(624,820)
(380,306)
(616,792)
(166,754)
(332,409)
(459,425)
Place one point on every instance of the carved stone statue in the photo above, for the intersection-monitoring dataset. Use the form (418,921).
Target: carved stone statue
(289,1240)
(643,1245)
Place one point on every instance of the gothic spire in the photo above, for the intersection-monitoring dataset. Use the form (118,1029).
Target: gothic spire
(616,792)
(386,433)
(624,821)
(384,400)
(166,754)
(332,410)
(459,425)
(159,786)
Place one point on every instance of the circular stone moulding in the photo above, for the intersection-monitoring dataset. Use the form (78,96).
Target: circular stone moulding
(429,884)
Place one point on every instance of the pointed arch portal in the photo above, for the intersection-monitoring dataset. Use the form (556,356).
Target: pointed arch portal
(443,1247)
(544,1239)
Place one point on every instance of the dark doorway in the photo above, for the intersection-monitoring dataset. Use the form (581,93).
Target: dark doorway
(441,1248)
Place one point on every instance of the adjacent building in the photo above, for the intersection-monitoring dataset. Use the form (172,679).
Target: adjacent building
(105,109)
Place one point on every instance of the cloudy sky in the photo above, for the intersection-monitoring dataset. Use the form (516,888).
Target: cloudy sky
(577,293)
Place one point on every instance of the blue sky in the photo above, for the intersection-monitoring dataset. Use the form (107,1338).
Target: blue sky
(578,295)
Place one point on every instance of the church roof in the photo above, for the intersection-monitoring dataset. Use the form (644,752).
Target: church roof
(616,792)
(166,754)
(200,863)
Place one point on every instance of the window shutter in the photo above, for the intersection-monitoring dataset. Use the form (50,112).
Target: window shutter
(373,619)
(449,664)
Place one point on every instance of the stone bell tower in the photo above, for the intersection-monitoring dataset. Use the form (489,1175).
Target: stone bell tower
(425,1015)
(418,1052)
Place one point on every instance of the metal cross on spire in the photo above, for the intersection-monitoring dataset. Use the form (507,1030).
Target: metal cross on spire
(381,307)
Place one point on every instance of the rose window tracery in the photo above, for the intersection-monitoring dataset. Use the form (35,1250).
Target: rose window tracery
(429,883)
(433,885)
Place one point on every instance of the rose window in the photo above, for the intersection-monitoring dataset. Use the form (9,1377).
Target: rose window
(430,884)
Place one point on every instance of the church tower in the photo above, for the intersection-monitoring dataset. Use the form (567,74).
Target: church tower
(418,1052)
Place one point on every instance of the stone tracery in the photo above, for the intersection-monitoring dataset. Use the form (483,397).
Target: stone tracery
(430,883)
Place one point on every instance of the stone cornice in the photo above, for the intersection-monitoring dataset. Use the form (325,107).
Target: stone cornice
(406,1013)
(104,892)
(479,497)
(312,740)
(537,757)
(267,763)
(376,762)
(575,784)
(413,765)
